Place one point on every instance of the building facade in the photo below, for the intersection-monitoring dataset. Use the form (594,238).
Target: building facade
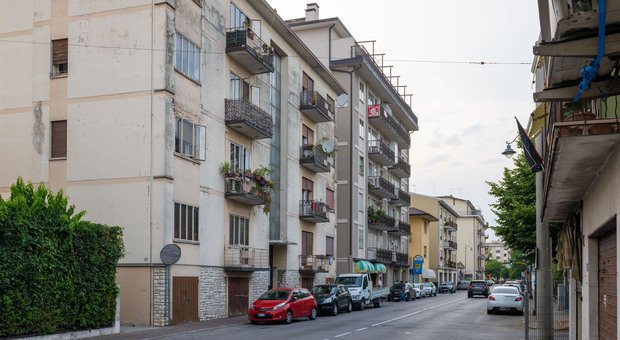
(419,243)
(373,170)
(471,238)
(496,250)
(190,123)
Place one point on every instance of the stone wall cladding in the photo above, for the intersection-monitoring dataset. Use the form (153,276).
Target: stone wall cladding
(289,278)
(319,278)
(159,296)
(213,303)
(259,283)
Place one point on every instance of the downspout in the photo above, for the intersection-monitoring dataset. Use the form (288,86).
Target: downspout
(329,39)
(151,164)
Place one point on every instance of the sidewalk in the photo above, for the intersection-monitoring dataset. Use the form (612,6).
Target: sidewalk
(188,328)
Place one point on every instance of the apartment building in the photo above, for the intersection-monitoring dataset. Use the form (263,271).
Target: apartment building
(443,242)
(471,237)
(191,123)
(373,169)
(496,250)
(419,243)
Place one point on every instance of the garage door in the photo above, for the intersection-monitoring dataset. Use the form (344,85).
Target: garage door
(607,282)
(184,299)
(238,295)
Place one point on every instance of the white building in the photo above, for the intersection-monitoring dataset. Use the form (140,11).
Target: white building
(496,250)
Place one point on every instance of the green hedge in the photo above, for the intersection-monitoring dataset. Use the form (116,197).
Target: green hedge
(57,272)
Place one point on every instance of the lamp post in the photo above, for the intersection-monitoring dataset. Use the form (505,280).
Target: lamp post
(465,270)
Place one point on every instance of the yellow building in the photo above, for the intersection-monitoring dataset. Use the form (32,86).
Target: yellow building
(419,242)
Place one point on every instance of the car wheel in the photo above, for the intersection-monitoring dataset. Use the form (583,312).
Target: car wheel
(520,312)
(362,304)
(489,311)
(435,294)
(407,297)
(469,295)
(312,314)
(289,317)
(378,303)
(349,307)
(390,298)
(335,309)
(254,322)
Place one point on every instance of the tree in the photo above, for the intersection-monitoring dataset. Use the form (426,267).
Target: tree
(495,268)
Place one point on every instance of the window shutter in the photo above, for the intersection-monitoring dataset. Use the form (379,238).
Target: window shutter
(200,141)
(59,139)
(60,51)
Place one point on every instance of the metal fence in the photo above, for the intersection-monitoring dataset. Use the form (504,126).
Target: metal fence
(559,311)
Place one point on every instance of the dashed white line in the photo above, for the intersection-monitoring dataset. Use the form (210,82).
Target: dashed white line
(343,334)
(361,329)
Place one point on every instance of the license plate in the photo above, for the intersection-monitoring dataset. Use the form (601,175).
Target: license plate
(262,315)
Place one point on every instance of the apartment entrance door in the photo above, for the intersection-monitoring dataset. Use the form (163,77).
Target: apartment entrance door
(607,283)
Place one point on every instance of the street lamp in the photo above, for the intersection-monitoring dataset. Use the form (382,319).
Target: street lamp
(465,270)
(509,152)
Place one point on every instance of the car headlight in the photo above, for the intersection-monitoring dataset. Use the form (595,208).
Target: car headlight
(276,307)
(328,300)
(251,305)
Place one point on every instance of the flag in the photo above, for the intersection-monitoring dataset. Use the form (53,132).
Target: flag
(532,156)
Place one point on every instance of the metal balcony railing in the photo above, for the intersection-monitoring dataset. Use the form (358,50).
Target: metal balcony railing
(249,50)
(316,107)
(314,263)
(313,211)
(451,225)
(243,190)
(380,152)
(400,198)
(242,258)
(314,158)
(382,223)
(450,264)
(401,229)
(383,255)
(449,244)
(380,186)
(382,120)
(481,232)
(247,118)
(401,259)
(401,169)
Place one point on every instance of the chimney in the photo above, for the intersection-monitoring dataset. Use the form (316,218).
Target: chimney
(312,12)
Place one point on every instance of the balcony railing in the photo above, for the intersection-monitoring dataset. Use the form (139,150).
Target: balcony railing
(246,47)
(242,258)
(313,211)
(314,263)
(243,190)
(382,223)
(481,269)
(480,232)
(449,264)
(401,259)
(382,255)
(450,225)
(380,152)
(400,198)
(380,186)
(401,229)
(449,244)
(316,107)
(314,158)
(401,169)
(382,120)
(248,119)
(482,244)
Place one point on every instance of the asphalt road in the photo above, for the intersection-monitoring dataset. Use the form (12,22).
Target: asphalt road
(446,316)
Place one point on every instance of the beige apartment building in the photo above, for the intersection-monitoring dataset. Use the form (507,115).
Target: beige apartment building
(471,237)
(193,123)
(419,243)
(496,250)
(373,169)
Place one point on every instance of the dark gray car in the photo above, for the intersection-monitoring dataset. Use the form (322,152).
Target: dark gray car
(332,298)
(447,287)
(478,287)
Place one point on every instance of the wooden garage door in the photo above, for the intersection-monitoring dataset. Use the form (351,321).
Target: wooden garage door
(238,294)
(607,282)
(307,282)
(184,299)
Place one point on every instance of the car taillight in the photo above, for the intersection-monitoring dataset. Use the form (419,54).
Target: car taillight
(519,298)
(486,287)
(491,297)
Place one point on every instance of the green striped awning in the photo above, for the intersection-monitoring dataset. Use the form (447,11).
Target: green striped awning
(380,268)
(362,266)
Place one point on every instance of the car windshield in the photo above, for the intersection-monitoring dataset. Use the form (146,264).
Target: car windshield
(478,283)
(397,285)
(505,290)
(446,283)
(349,281)
(427,284)
(323,290)
(275,295)
(416,285)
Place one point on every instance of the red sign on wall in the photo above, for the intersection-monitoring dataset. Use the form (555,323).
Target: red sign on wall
(374,110)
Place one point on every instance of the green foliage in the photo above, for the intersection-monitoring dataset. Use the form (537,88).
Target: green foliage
(375,214)
(57,272)
(495,268)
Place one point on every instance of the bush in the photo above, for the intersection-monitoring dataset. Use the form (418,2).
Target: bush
(57,272)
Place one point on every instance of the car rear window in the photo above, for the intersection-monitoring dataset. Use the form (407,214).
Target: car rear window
(474,283)
(505,290)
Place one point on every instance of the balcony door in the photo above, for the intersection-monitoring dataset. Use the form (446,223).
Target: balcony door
(307,135)
(307,84)
(307,244)
(307,188)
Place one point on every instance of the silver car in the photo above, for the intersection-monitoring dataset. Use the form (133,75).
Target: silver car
(418,291)
(505,298)
(429,289)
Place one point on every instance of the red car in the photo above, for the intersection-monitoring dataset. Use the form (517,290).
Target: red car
(283,305)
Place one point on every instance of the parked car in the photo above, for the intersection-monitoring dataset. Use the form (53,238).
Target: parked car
(332,298)
(429,289)
(396,289)
(513,284)
(505,298)
(447,287)
(477,287)
(362,293)
(418,291)
(283,305)
(462,285)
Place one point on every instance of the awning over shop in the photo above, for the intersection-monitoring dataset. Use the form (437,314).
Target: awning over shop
(380,268)
(429,274)
(362,266)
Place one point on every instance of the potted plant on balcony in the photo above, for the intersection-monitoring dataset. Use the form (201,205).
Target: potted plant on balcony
(374,215)
(227,170)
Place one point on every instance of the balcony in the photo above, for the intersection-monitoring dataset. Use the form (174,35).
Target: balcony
(246,48)
(247,119)
(245,259)
(480,232)
(482,244)
(401,229)
(313,211)
(450,226)
(400,198)
(581,138)
(380,153)
(312,264)
(313,158)
(315,107)
(381,223)
(401,259)
(450,264)
(401,169)
(380,186)
(449,245)
(384,122)
(481,257)
(480,270)
(381,255)
(243,190)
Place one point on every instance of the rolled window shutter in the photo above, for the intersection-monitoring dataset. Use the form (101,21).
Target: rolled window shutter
(60,51)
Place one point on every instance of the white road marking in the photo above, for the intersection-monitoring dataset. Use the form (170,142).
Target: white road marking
(361,329)
(410,314)
(343,334)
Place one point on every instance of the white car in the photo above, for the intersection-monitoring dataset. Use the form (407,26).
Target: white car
(505,298)
(429,289)
(418,290)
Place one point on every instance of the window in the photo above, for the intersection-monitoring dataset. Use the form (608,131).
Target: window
(329,193)
(330,104)
(497,257)
(361,94)
(307,135)
(360,237)
(497,251)
(240,158)
(307,243)
(307,187)
(361,166)
(362,130)
(360,202)
(371,99)
(185,222)
(237,18)
(187,57)
(329,246)
(307,85)
(190,139)
(239,230)
(60,56)
(424,251)
(425,228)
(59,139)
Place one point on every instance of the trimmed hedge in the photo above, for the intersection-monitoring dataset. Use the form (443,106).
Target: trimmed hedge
(57,272)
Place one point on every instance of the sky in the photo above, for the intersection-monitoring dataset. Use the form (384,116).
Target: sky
(465,111)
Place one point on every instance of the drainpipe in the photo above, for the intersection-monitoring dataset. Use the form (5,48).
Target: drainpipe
(330,42)
(151,164)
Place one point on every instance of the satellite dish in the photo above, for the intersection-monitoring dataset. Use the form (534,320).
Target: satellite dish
(328,146)
(342,100)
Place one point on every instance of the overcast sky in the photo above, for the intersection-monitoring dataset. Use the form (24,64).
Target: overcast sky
(465,111)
